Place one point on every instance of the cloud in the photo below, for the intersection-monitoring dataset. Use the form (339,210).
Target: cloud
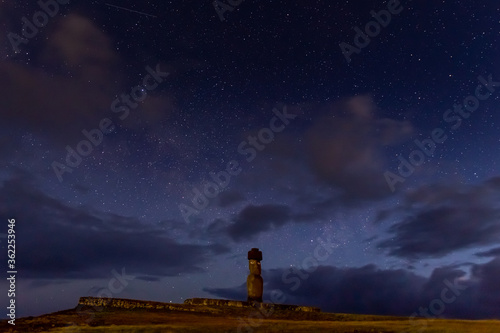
(71,88)
(436,220)
(229,198)
(370,290)
(340,163)
(81,45)
(237,293)
(253,220)
(347,290)
(337,160)
(59,241)
(490,253)
(345,149)
(486,292)
(76,77)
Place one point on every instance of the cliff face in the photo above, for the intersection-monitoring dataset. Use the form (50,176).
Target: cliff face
(192,304)
(240,304)
(130,304)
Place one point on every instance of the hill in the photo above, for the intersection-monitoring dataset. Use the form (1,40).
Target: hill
(247,319)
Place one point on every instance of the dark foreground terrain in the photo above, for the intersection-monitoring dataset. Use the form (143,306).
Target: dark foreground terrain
(206,319)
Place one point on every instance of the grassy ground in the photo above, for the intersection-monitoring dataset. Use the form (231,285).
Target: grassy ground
(235,320)
(301,326)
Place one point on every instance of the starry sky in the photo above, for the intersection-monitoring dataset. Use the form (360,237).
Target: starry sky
(355,143)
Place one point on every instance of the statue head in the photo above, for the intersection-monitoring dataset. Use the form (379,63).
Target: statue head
(254,266)
(254,258)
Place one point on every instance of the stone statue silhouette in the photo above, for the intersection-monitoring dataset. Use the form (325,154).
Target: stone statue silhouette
(255,283)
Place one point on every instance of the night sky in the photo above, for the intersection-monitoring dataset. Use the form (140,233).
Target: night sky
(355,143)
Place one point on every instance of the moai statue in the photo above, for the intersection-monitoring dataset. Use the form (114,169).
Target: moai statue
(255,283)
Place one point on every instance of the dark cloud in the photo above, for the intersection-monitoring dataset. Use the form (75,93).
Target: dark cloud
(346,290)
(149,278)
(229,198)
(58,241)
(437,220)
(370,290)
(352,290)
(253,220)
(490,253)
(383,215)
(370,239)
(487,291)
(237,293)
